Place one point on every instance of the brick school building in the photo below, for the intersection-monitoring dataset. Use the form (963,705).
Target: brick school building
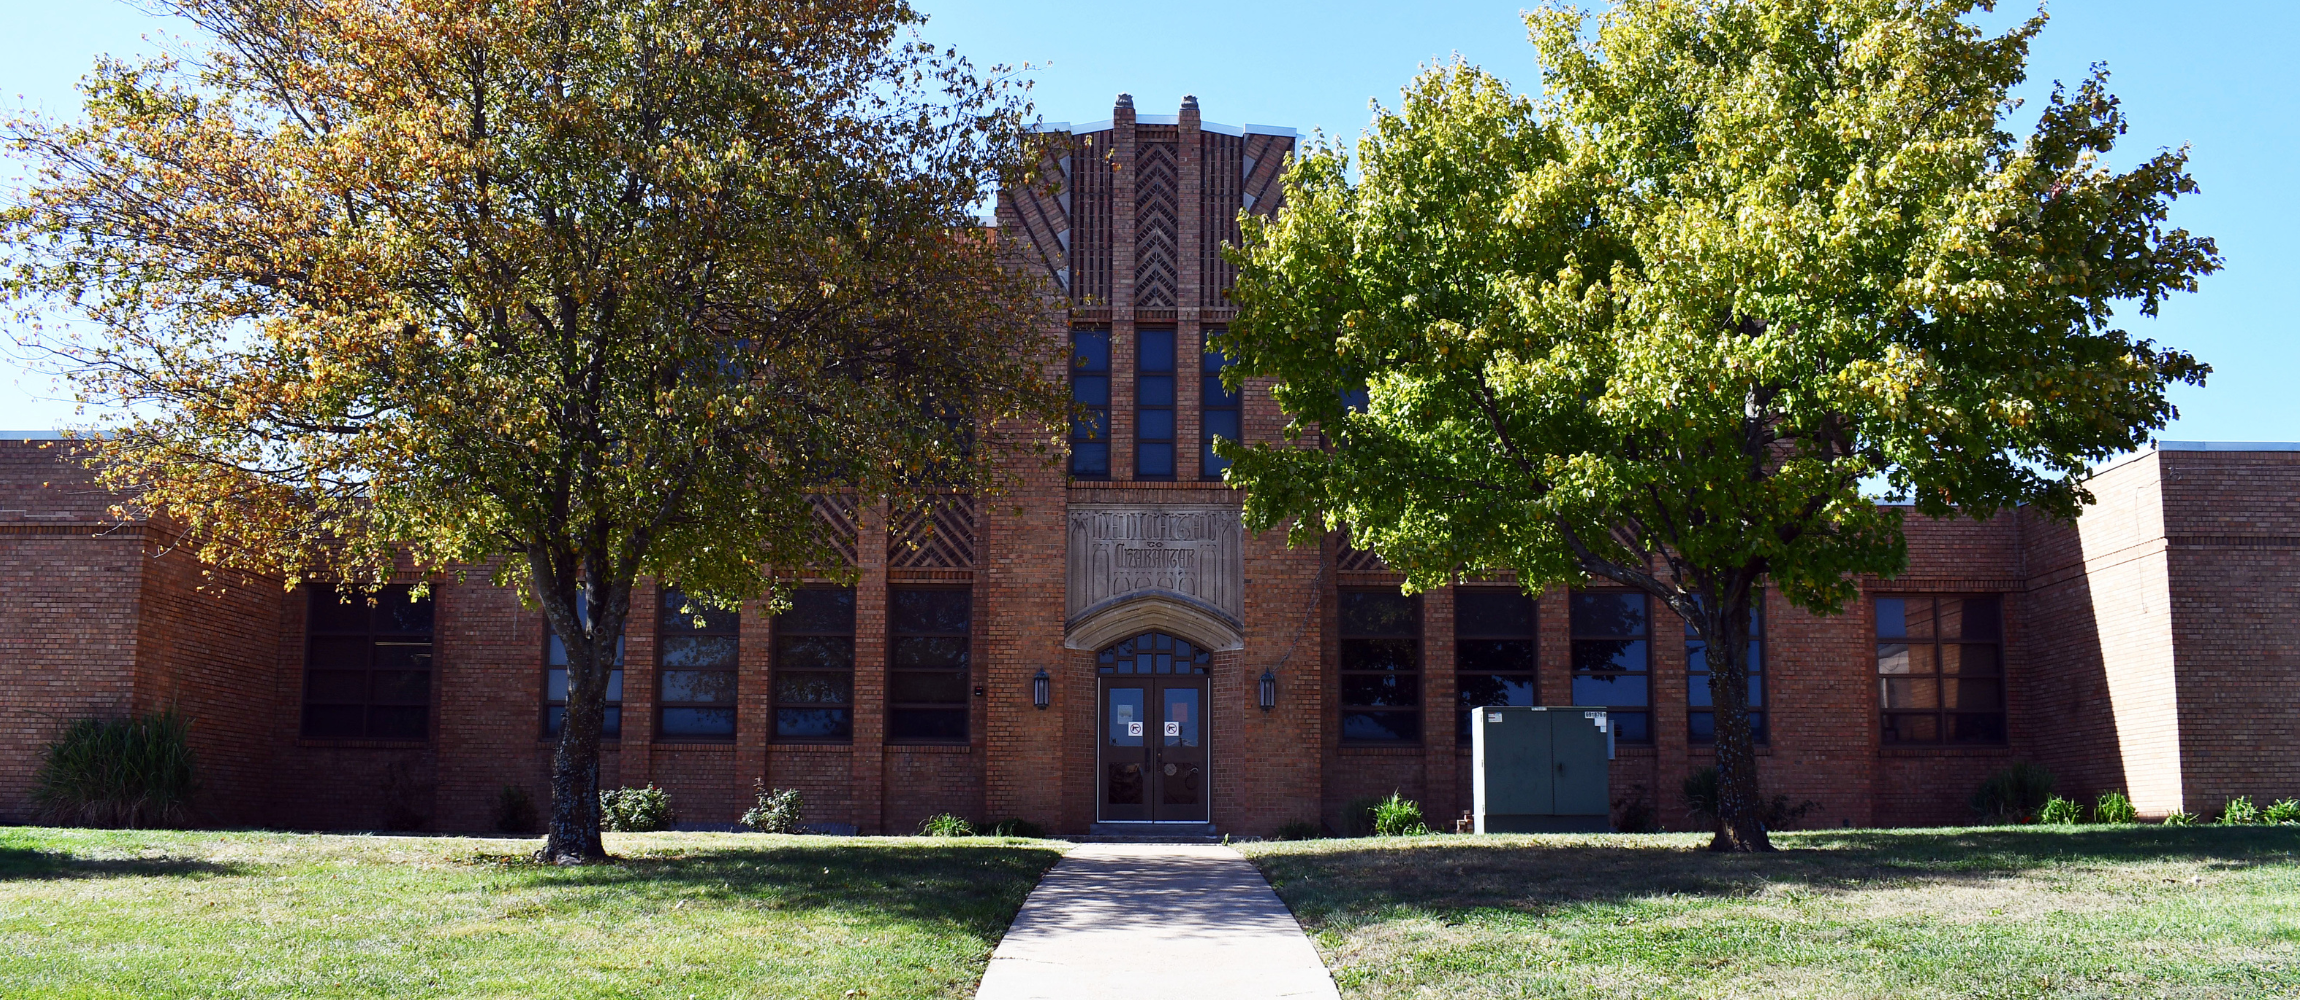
(1107,646)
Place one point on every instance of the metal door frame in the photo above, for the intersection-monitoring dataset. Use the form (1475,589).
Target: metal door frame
(1206,724)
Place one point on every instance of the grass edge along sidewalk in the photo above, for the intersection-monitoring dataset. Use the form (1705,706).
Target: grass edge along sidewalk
(1982,912)
(96,913)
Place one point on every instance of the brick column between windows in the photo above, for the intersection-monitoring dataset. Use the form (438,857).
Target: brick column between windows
(1189,258)
(1122,242)
(638,744)
(1440,731)
(869,767)
(754,695)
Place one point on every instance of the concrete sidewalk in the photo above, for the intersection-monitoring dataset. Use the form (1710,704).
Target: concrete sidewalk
(1158,922)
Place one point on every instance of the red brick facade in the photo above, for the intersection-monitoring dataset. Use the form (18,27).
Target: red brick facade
(2150,647)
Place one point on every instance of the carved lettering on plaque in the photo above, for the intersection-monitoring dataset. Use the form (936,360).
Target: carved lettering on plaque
(1196,551)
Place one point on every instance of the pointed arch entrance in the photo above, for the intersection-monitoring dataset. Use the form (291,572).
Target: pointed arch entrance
(1154,752)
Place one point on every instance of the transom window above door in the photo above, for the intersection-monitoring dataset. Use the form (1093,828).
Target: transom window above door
(1155,653)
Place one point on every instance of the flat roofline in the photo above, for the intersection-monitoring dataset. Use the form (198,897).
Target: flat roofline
(31,435)
(1107,124)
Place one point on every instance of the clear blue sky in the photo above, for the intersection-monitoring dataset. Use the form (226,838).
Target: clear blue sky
(2213,74)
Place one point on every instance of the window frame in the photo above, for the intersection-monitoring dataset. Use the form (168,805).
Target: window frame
(1761,730)
(666,630)
(1213,399)
(1415,635)
(1944,715)
(1080,427)
(1575,637)
(777,670)
(370,637)
(615,678)
(1530,673)
(965,704)
(1145,373)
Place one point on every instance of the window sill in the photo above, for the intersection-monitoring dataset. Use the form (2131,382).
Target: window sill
(708,746)
(604,744)
(1710,750)
(1635,750)
(1381,750)
(361,744)
(931,747)
(1947,750)
(814,746)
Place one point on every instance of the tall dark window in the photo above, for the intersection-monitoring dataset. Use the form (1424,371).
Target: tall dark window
(1154,404)
(1381,667)
(1090,404)
(367,670)
(555,680)
(1219,414)
(1940,669)
(1700,714)
(695,670)
(927,677)
(1612,661)
(815,666)
(1493,651)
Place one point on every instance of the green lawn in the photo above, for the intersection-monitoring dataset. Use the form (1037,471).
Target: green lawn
(87,913)
(2064,913)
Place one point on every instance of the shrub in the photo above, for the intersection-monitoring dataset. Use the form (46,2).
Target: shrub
(514,811)
(1300,829)
(2114,807)
(2239,812)
(1700,789)
(2014,794)
(2178,818)
(2058,811)
(1358,816)
(635,810)
(1017,827)
(2283,812)
(777,811)
(945,825)
(134,772)
(1398,816)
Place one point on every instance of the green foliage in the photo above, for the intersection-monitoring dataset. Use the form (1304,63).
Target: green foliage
(1398,816)
(1017,827)
(2179,818)
(2240,812)
(514,810)
(134,772)
(2114,807)
(777,811)
(2058,811)
(945,825)
(1358,816)
(1659,324)
(2282,812)
(1300,829)
(635,810)
(2013,795)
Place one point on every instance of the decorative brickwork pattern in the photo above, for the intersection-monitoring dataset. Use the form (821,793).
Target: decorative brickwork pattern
(939,536)
(1156,213)
(835,516)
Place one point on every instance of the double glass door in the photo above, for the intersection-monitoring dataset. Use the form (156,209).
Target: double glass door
(1153,754)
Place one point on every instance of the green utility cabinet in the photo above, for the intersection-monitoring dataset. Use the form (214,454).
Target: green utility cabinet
(1541,770)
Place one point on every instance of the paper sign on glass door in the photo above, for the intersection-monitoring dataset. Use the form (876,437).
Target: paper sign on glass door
(1173,729)
(1133,729)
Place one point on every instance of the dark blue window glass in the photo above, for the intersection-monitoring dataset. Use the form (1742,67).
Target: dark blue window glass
(1611,661)
(1700,719)
(1154,404)
(1219,409)
(1090,404)
(1381,667)
(1493,651)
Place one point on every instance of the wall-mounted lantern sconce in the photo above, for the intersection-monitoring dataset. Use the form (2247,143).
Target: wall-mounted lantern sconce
(1041,689)
(1269,690)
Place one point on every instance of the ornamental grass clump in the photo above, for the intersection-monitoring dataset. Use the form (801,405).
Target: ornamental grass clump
(2283,812)
(946,825)
(777,811)
(2114,807)
(2058,811)
(635,810)
(1398,816)
(134,772)
(2240,812)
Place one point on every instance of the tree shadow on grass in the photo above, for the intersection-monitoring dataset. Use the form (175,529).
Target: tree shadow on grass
(1542,875)
(26,864)
(973,888)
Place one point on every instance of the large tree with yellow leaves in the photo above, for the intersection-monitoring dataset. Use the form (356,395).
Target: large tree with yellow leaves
(1659,324)
(583,290)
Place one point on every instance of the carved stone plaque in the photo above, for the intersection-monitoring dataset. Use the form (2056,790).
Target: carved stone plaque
(1117,550)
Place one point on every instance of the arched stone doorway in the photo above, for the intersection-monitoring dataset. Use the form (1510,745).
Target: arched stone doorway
(1154,753)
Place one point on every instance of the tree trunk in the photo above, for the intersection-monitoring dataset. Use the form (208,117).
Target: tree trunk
(591,640)
(1740,804)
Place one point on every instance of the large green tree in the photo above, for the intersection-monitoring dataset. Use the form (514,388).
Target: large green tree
(1659,324)
(584,291)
